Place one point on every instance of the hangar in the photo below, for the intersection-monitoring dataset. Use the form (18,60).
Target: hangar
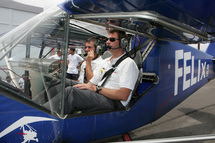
(14,13)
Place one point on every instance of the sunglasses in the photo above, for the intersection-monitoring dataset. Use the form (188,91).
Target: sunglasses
(111,39)
(113,21)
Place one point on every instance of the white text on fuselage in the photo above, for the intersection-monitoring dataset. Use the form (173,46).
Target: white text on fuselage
(185,70)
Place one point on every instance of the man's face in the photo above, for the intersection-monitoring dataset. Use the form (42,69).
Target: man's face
(113,40)
(112,22)
(59,53)
(89,46)
(71,51)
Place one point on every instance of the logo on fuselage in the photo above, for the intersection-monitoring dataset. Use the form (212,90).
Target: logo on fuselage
(187,71)
(29,133)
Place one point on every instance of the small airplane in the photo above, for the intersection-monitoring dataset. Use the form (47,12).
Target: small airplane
(170,69)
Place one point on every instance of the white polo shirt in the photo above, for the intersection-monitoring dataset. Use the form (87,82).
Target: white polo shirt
(94,63)
(125,75)
(74,60)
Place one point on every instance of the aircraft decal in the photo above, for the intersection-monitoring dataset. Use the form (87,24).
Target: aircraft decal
(182,72)
(29,133)
(102,70)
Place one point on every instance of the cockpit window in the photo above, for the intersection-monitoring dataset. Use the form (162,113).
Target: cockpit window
(33,57)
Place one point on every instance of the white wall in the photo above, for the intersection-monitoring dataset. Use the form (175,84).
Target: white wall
(10,18)
(13,14)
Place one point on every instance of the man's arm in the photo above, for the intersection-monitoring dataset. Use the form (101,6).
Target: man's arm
(80,64)
(114,94)
(89,71)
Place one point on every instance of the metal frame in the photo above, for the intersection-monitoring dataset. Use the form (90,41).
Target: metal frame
(66,36)
(149,17)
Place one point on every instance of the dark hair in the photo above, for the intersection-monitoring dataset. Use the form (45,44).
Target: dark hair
(121,34)
(72,49)
(123,38)
(94,40)
(58,51)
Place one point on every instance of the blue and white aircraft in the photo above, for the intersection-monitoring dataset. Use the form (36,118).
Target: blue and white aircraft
(160,31)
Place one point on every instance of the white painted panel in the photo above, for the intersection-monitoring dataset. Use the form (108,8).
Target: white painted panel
(5,16)
(21,16)
(4,28)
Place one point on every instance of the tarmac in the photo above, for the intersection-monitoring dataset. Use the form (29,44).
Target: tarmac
(193,117)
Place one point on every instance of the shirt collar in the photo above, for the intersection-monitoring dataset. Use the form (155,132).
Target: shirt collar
(116,59)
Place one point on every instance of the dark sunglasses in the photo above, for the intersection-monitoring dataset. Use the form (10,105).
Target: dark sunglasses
(111,39)
(113,21)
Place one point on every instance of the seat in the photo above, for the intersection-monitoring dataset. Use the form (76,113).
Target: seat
(106,54)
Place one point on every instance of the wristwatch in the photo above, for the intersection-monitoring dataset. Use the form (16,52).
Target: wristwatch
(98,88)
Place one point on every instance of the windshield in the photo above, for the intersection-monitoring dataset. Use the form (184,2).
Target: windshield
(33,56)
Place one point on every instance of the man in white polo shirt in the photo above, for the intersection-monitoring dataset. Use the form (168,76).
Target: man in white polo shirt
(57,56)
(92,61)
(74,61)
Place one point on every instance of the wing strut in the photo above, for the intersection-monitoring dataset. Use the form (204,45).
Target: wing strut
(148,49)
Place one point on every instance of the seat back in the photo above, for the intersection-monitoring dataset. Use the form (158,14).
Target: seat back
(106,54)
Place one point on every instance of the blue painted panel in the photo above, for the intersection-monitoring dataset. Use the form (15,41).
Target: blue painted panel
(167,98)
(17,123)
(211,49)
(79,129)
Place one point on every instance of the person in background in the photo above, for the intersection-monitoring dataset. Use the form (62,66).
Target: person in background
(79,51)
(74,61)
(9,81)
(115,22)
(57,56)
(21,82)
